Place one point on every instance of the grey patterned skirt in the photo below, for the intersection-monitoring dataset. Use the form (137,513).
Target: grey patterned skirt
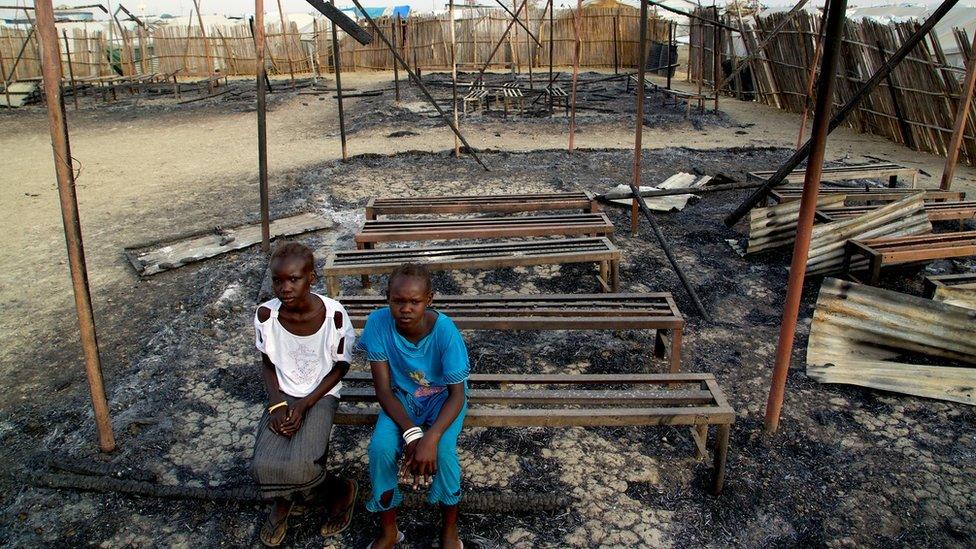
(285,466)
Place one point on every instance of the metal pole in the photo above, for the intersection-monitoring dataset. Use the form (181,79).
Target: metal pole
(670,47)
(716,56)
(420,84)
(812,78)
(481,73)
(71,70)
(284,38)
(338,77)
(842,113)
(639,132)
(454,98)
(577,47)
(519,21)
(552,35)
(262,124)
(616,61)
(51,71)
(836,15)
(394,30)
(962,113)
(206,46)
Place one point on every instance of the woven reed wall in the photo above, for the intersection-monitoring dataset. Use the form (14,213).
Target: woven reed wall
(915,107)
(424,42)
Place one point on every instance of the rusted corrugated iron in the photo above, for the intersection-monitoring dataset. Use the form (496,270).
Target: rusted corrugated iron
(960,296)
(860,332)
(902,218)
(775,226)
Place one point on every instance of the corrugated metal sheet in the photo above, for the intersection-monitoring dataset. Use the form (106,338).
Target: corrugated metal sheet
(775,226)
(902,218)
(861,334)
(963,295)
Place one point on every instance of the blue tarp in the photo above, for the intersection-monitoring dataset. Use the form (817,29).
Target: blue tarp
(402,11)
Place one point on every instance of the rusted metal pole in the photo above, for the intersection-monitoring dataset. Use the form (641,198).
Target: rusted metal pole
(906,47)
(962,115)
(262,124)
(577,47)
(811,80)
(836,14)
(394,30)
(670,47)
(454,97)
(51,72)
(639,133)
(338,78)
(71,70)
(716,57)
(552,30)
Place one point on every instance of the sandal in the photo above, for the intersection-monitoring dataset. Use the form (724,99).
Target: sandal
(399,540)
(345,515)
(272,534)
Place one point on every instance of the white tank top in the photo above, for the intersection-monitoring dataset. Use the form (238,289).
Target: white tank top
(301,362)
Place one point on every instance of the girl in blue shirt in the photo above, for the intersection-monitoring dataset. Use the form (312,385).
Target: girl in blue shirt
(420,370)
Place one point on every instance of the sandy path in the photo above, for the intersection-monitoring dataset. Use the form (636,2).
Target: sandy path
(144,177)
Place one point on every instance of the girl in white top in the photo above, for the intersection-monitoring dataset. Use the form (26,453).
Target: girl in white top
(306,343)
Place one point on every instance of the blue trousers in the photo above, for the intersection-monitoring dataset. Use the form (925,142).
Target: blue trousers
(386,447)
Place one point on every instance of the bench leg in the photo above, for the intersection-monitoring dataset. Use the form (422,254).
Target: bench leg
(615,275)
(660,344)
(721,453)
(332,286)
(605,275)
(875,270)
(364,279)
(699,435)
(675,360)
(892,181)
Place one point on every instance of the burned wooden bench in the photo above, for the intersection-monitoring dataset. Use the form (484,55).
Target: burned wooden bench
(478,256)
(937,211)
(510,203)
(557,96)
(857,196)
(581,400)
(881,252)
(400,230)
(637,311)
(875,170)
(478,96)
(509,93)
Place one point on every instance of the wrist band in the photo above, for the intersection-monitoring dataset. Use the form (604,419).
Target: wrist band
(276,406)
(412,434)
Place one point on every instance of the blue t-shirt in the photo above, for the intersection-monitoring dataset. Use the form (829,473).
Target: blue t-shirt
(421,369)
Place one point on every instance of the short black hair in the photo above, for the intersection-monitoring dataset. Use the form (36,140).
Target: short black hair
(417,270)
(287,250)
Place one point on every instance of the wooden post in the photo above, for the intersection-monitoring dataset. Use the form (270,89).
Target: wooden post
(262,124)
(51,70)
(616,61)
(3,75)
(812,77)
(454,97)
(959,128)
(513,44)
(552,36)
(577,51)
(71,70)
(528,47)
(716,56)
(671,36)
(338,78)
(903,127)
(206,46)
(639,133)
(394,30)
(286,42)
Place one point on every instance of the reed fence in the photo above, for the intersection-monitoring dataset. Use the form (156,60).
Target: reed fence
(606,34)
(915,107)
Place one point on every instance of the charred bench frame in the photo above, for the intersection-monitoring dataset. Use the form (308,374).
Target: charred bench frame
(478,256)
(402,230)
(634,311)
(694,400)
(937,211)
(845,173)
(464,204)
(792,194)
(885,251)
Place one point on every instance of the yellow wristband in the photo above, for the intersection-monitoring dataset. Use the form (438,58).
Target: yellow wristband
(276,406)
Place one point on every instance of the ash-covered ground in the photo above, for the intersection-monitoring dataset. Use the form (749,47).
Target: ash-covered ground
(848,467)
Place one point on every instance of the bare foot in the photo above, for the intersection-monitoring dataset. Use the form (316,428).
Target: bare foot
(386,539)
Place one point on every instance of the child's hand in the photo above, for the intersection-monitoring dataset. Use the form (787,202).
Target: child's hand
(278,418)
(296,413)
(424,462)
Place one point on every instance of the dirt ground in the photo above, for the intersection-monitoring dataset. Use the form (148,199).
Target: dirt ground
(849,466)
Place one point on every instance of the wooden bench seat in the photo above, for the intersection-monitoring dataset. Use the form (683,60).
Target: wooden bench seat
(478,256)
(635,311)
(845,173)
(937,211)
(509,203)
(880,252)
(509,93)
(857,196)
(558,96)
(580,400)
(478,96)
(382,230)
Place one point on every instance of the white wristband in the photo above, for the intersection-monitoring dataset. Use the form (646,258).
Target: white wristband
(412,434)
